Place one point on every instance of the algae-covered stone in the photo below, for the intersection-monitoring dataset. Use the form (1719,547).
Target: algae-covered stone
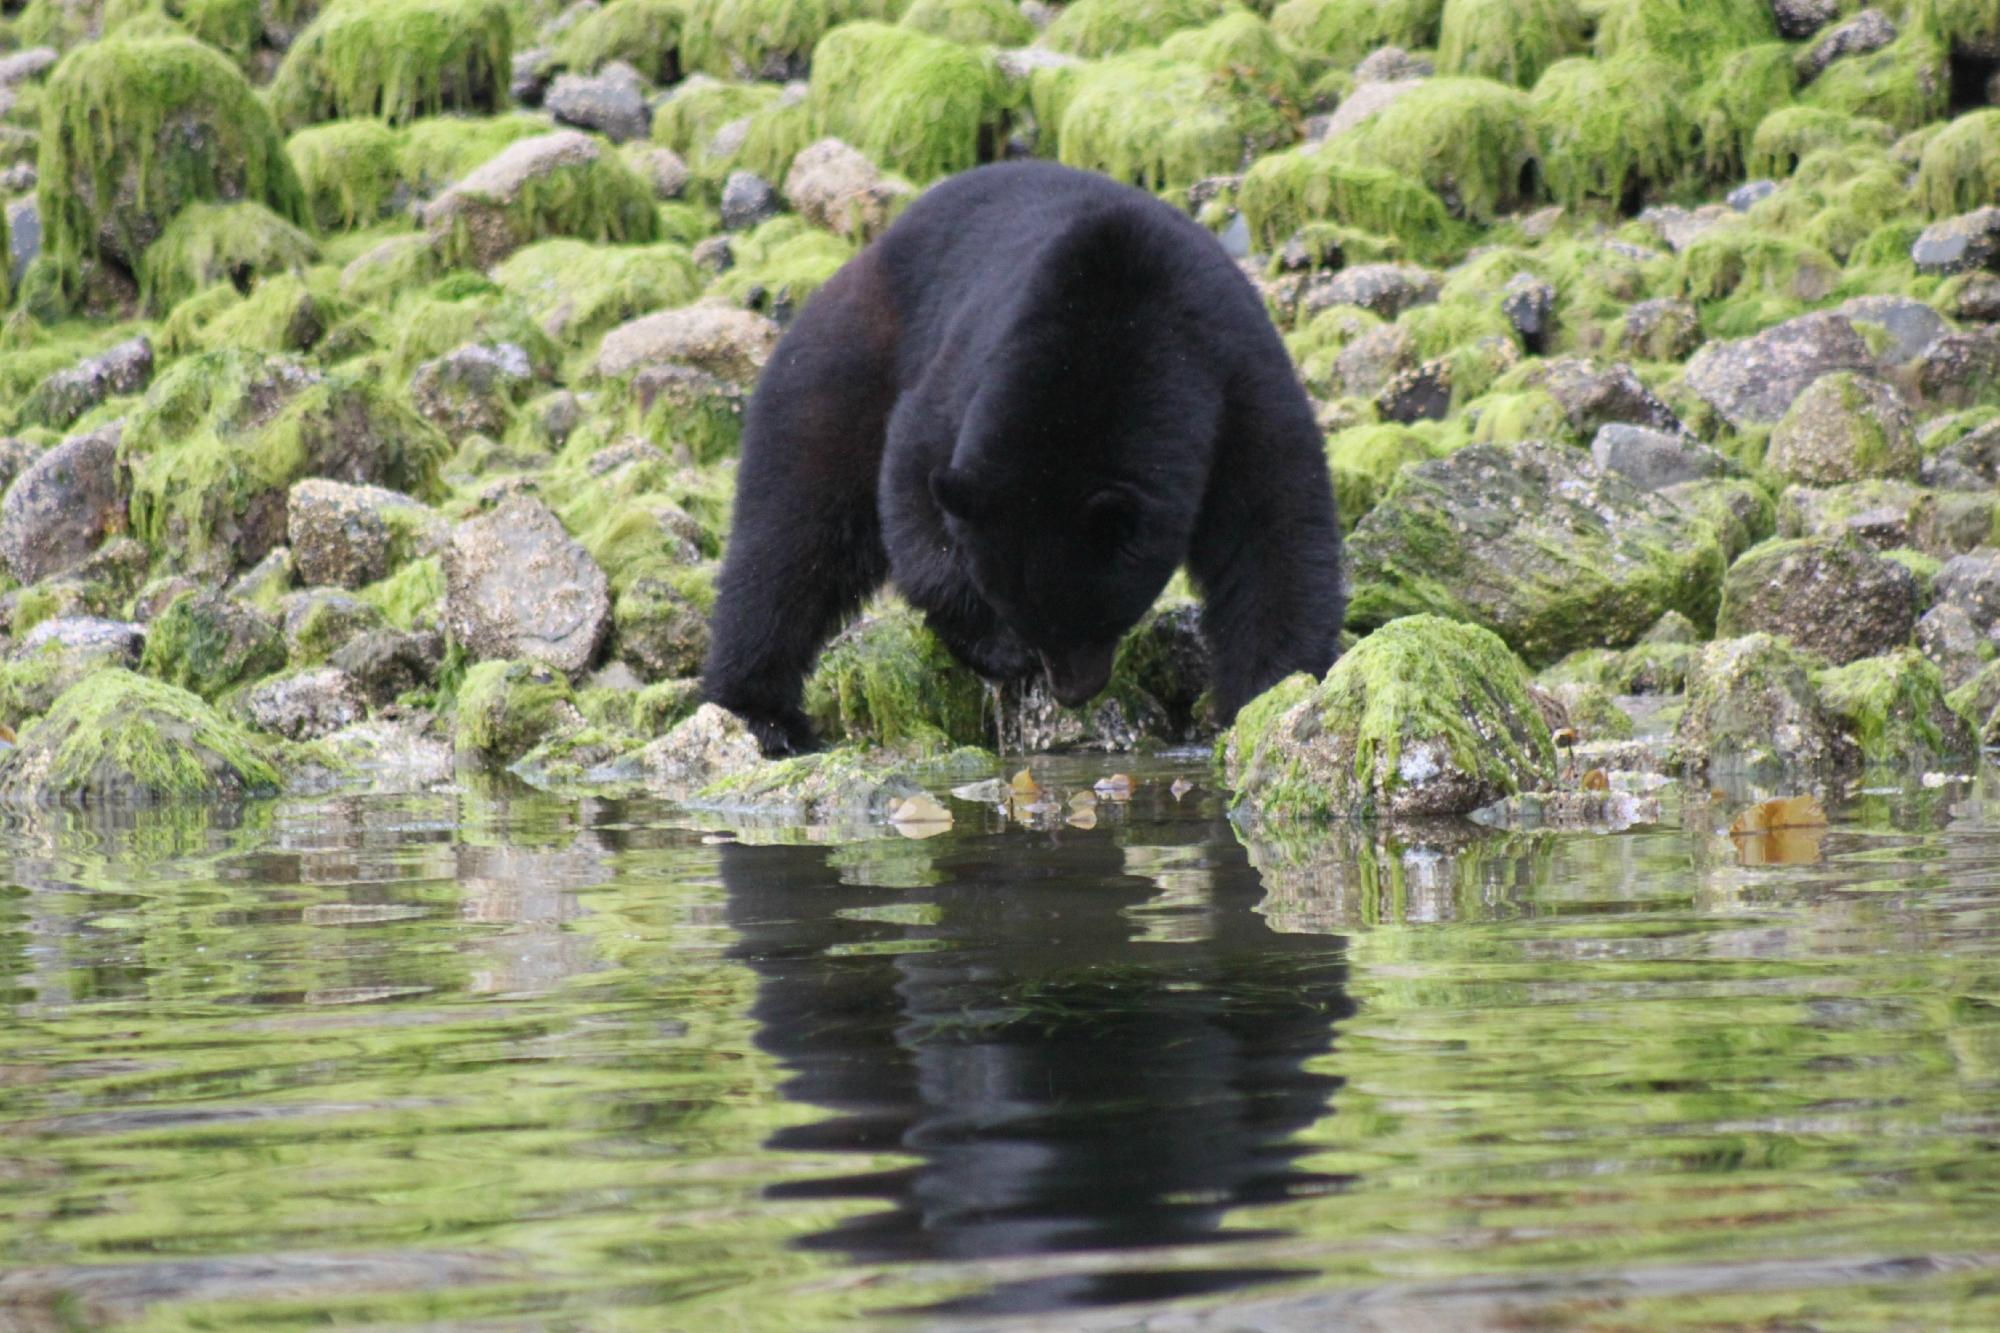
(1426,716)
(659,621)
(1754,381)
(709,745)
(611,102)
(386,664)
(888,680)
(1651,459)
(207,244)
(835,186)
(397,59)
(916,104)
(1753,716)
(133,132)
(1842,428)
(1836,598)
(305,705)
(116,738)
(320,622)
(1978,702)
(60,510)
(473,390)
(733,344)
(1101,27)
(347,536)
(209,642)
(564,183)
(1960,244)
(576,291)
(520,586)
(67,394)
(56,654)
(1894,709)
(1537,544)
(506,709)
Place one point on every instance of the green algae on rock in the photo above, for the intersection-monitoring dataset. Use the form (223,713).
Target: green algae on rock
(1470,140)
(1612,131)
(971,22)
(1105,27)
(888,680)
(1753,717)
(1346,30)
(916,104)
(765,39)
(576,290)
(1895,709)
(1366,460)
(645,34)
(1283,192)
(1158,121)
(210,243)
(397,60)
(1837,598)
(208,643)
(1960,167)
(507,708)
(116,738)
(1426,716)
(563,183)
(1509,40)
(349,170)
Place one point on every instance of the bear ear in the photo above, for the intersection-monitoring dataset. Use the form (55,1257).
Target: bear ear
(958,494)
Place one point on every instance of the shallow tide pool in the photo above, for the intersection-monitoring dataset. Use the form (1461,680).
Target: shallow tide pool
(504,1060)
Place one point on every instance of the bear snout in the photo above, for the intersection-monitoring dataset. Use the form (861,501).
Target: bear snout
(1077,678)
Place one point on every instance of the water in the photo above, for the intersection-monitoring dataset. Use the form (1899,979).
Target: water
(501,1060)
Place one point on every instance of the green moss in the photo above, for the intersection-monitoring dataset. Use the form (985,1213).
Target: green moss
(971,22)
(781,264)
(207,643)
(688,223)
(1346,30)
(439,150)
(1419,700)
(461,309)
(506,709)
(1747,86)
(1613,131)
(349,171)
(1903,85)
(1978,702)
(1470,140)
(117,737)
(597,198)
(210,243)
(1107,27)
(915,104)
(397,60)
(1968,25)
(1960,168)
(133,132)
(1789,134)
(1510,417)
(412,596)
(1283,192)
(1698,34)
(1895,708)
(575,291)
(689,116)
(645,34)
(284,313)
(759,39)
(1159,122)
(1509,40)
(658,707)
(1772,273)
(889,681)
(30,684)
(1366,461)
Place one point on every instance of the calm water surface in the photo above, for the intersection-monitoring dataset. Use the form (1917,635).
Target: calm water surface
(506,1060)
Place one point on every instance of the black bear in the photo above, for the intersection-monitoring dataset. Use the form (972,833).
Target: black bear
(1026,404)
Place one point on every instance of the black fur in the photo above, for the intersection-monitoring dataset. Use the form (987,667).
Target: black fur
(1026,404)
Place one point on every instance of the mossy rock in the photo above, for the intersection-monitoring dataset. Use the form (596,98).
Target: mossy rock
(1838,598)
(1471,141)
(1903,85)
(971,22)
(396,60)
(887,680)
(1158,121)
(350,170)
(1748,85)
(1753,717)
(1845,427)
(116,739)
(779,265)
(133,132)
(645,34)
(915,104)
(209,643)
(1699,34)
(1612,132)
(1283,192)
(1960,168)
(1366,460)
(1346,30)
(1509,40)
(207,244)
(1788,135)
(1426,716)
(563,183)
(576,290)
(765,39)
(505,709)
(1107,27)
(1895,709)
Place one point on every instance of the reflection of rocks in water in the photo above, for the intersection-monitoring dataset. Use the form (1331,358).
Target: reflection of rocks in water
(1343,875)
(1085,1047)
(533,890)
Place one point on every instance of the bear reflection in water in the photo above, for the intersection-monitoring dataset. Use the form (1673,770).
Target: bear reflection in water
(1066,1082)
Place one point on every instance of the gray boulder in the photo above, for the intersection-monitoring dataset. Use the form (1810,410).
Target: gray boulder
(305,705)
(747,199)
(611,101)
(347,536)
(1947,637)
(1386,289)
(835,186)
(474,389)
(60,510)
(386,664)
(1845,427)
(1870,30)
(1651,459)
(1753,381)
(519,586)
(1971,582)
(1837,598)
(1960,244)
(68,394)
(725,341)
(1753,717)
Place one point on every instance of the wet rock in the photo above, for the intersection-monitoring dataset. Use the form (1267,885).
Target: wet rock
(473,390)
(1421,393)
(1845,427)
(1838,599)
(319,622)
(386,664)
(393,754)
(1651,459)
(835,186)
(1753,716)
(519,586)
(1908,328)
(1365,366)
(1870,30)
(659,629)
(62,507)
(1537,543)
(1969,463)
(887,680)
(1960,369)
(305,705)
(68,394)
(16,456)
(723,340)
(1971,582)
(1753,381)
(1590,396)
(1894,712)
(346,536)
(1156,695)
(1803,18)
(747,199)
(1749,194)
(506,709)
(1386,289)
(1977,300)
(24,237)
(1529,305)
(710,745)
(611,101)
(1388,64)
(1949,640)
(1426,716)
(1959,244)
(209,642)
(116,738)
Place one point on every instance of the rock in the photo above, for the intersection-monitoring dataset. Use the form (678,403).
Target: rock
(1948,523)
(68,394)
(1529,305)
(528,75)
(1876,512)
(1978,702)
(747,199)
(1386,289)
(1536,543)
(1426,716)
(56,654)
(1386,64)
(1893,710)
(659,629)
(1909,327)
(612,102)
(1845,427)
(1367,101)
(1017,64)
(305,705)
(1971,582)
(18,67)
(520,586)
(24,237)
(1753,381)
(386,664)
(1870,30)
(267,580)
(711,745)
(722,340)
(319,622)
(1960,244)
(119,739)
(715,254)
(473,390)
(887,680)
(209,642)
(506,709)
(1666,329)
(1366,365)
(1978,298)
(1753,717)
(1681,227)
(1749,194)
(346,536)
(1421,393)
(1960,369)
(1836,598)
(1651,459)
(835,186)
(1803,18)
(664,169)
(1949,640)
(400,754)
(1969,463)
(1591,396)
(534,188)
(60,510)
